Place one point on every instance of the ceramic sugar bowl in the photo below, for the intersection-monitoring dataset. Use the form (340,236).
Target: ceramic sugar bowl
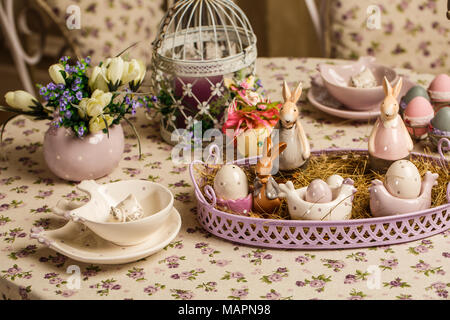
(126,212)
(403,191)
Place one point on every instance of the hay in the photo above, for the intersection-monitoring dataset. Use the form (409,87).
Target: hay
(349,165)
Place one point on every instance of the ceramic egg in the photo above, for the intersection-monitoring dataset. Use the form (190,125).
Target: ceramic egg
(441,120)
(439,89)
(335,181)
(417,117)
(440,127)
(403,180)
(416,91)
(230,183)
(318,191)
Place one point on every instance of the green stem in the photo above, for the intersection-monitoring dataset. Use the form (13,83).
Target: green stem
(106,126)
(137,136)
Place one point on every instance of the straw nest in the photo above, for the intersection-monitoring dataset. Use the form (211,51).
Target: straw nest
(349,165)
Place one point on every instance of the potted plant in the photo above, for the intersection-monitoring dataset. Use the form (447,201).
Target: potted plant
(85,106)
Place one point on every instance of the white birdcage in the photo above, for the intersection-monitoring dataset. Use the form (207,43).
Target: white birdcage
(198,44)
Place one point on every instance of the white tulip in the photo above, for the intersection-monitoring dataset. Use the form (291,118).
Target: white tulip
(96,124)
(130,71)
(55,73)
(82,107)
(20,100)
(93,106)
(102,97)
(134,73)
(97,80)
(114,71)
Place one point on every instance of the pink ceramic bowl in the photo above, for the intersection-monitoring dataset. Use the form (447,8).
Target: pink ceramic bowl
(336,79)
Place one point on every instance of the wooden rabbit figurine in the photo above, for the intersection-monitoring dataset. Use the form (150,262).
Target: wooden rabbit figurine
(390,140)
(265,196)
(290,131)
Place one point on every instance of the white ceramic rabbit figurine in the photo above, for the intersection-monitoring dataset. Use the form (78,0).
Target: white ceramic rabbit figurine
(389,140)
(290,131)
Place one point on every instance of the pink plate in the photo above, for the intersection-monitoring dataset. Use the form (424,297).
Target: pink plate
(322,100)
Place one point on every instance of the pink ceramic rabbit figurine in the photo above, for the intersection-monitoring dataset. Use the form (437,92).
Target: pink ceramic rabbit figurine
(389,140)
(290,131)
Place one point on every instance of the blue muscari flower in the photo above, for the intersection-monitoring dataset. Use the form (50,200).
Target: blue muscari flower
(77,81)
(70,98)
(66,94)
(80,65)
(43,91)
(60,86)
(154,98)
(51,86)
(62,104)
(79,95)
(64,59)
(80,131)
(127,100)
(68,114)
(75,87)
(88,60)
(67,68)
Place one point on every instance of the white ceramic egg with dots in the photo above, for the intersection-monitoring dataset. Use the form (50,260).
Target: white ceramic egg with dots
(403,180)
(230,183)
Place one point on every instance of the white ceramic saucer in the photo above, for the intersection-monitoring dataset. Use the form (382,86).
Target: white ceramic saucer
(77,242)
(322,100)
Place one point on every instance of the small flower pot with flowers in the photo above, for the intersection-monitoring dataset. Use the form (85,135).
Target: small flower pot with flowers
(250,116)
(85,139)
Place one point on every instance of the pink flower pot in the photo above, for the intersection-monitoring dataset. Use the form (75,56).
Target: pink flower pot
(90,157)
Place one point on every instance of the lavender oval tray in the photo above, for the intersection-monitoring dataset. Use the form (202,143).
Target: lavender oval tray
(301,234)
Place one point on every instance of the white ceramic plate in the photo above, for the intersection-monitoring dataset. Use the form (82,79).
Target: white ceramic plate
(79,243)
(321,99)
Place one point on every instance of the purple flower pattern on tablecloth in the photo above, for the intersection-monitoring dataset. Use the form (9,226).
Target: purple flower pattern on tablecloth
(401,36)
(196,264)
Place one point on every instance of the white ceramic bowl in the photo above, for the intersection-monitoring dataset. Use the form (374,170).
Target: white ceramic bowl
(155,199)
(336,79)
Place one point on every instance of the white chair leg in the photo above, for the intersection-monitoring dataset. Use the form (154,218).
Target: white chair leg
(21,58)
(317,20)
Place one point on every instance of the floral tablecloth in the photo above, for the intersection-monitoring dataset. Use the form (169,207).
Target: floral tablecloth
(197,265)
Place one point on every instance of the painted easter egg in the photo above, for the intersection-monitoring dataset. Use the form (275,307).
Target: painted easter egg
(403,180)
(439,89)
(441,120)
(318,191)
(418,113)
(230,183)
(416,91)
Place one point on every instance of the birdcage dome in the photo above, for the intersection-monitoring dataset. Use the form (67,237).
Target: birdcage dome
(198,45)
(204,38)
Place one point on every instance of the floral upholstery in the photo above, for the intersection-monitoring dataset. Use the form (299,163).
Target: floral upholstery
(414,34)
(108,27)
